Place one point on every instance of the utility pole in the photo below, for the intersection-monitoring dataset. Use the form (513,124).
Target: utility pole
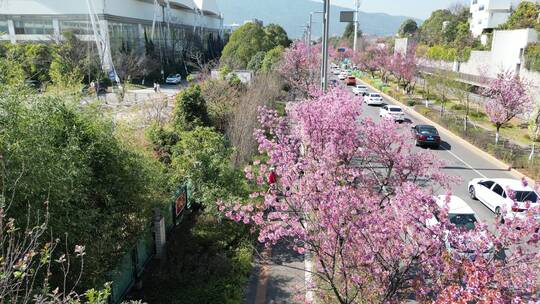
(326,26)
(310,29)
(356,11)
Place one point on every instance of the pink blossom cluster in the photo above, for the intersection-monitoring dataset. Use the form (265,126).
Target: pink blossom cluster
(359,198)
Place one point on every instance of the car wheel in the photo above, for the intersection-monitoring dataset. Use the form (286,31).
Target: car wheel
(472,193)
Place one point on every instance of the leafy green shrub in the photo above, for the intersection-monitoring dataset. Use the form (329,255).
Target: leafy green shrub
(191,110)
(411,102)
(202,157)
(440,52)
(99,189)
(532,57)
(256,61)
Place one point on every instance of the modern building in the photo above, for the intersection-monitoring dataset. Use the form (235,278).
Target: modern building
(171,25)
(487,15)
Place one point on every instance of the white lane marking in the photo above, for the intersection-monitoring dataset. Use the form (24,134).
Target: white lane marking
(308,278)
(465,163)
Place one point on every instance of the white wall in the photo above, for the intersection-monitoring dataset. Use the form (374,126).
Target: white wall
(126,8)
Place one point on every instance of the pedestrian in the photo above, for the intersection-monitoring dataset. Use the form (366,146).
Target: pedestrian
(158,88)
(155,87)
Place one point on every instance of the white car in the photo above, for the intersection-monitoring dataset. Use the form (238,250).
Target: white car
(342,75)
(337,72)
(392,112)
(374,99)
(174,79)
(464,219)
(503,194)
(360,90)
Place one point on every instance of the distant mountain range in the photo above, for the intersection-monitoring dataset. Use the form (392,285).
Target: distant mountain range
(293,14)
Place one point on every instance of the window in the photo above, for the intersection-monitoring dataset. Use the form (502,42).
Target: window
(481,8)
(37,27)
(466,221)
(395,110)
(4,27)
(499,190)
(475,2)
(526,196)
(487,184)
(78,27)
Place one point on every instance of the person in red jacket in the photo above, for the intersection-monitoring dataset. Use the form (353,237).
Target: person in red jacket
(272,176)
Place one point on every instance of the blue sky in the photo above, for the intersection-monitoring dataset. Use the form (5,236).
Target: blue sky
(413,8)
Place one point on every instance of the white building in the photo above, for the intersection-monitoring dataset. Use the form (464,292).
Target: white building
(171,25)
(489,14)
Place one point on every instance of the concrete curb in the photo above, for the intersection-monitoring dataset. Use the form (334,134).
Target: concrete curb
(450,134)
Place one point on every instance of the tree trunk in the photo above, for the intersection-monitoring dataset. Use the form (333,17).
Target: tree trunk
(531,156)
(497,135)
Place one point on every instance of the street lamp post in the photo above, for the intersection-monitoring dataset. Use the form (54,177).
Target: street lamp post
(324,65)
(357,2)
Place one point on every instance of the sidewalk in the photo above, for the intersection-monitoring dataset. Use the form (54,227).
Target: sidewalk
(278,277)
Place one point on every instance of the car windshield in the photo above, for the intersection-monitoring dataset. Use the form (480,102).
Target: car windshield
(427,131)
(526,196)
(395,110)
(466,221)
(375,95)
(360,87)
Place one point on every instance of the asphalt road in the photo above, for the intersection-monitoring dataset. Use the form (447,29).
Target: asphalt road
(461,161)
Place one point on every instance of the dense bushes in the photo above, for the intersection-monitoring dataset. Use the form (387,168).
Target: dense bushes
(99,189)
(249,40)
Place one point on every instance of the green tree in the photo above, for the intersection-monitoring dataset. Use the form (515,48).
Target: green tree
(525,16)
(250,39)
(256,61)
(202,157)
(244,43)
(276,35)
(191,110)
(272,58)
(67,67)
(430,30)
(348,34)
(408,28)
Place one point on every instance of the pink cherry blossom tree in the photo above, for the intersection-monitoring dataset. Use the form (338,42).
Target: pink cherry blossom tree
(300,68)
(367,61)
(404,69)
(508,98)
(359,198)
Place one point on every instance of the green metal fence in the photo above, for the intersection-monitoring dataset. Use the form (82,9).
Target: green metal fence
(131,266)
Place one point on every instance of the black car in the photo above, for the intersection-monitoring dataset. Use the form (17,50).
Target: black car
(426,135)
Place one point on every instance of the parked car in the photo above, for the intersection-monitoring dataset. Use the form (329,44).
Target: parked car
(392,112)
(342,76)
(360,90)
(503,194)
(466,241)
(426,135)
(374,99)
(350,81)
(174,79)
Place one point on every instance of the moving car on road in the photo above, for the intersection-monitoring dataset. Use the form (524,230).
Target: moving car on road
(392,112)
(342,76)
(426,135)
(374,99)
(360,90)
(350,81)
(462,240)
(174,79)
(503,194)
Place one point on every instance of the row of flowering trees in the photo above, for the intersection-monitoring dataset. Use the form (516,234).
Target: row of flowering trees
(359,198)
(507,95)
